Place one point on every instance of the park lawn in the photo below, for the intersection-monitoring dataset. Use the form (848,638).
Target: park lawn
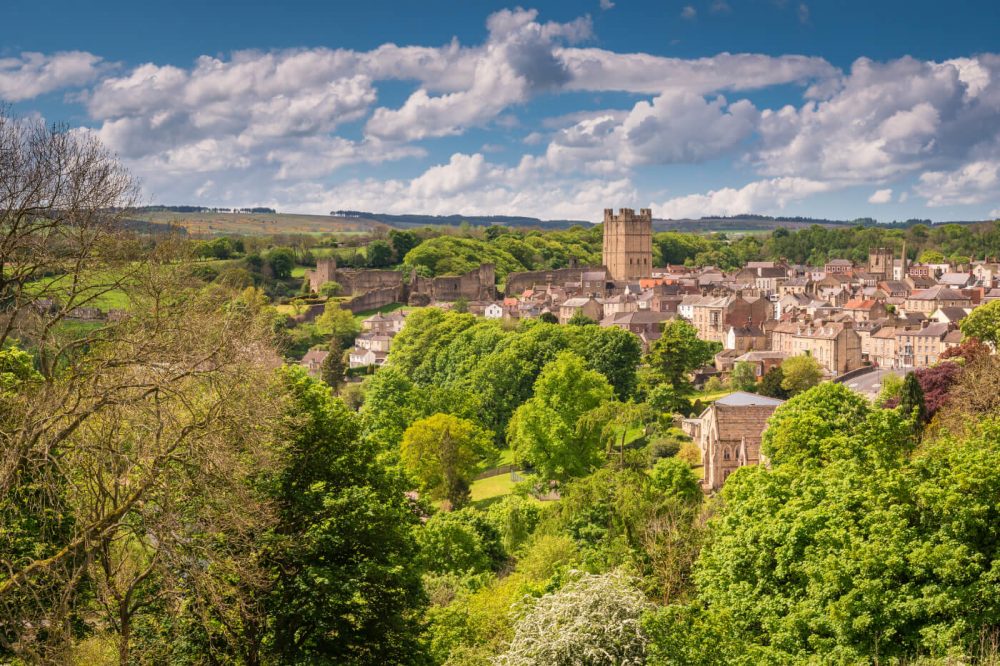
(299,272)
(491,487)
(112,299)
(713,396)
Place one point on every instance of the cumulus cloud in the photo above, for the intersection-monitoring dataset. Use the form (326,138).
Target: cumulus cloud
(33,74)
(763,196)
(517,62)
(675,127)
(886,120)
(973,183)
(881,196)
(689,13)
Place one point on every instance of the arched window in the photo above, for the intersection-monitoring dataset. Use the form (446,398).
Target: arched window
(726,455)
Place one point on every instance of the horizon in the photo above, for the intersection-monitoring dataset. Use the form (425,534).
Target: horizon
(554,111)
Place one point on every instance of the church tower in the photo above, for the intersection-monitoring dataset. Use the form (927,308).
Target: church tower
(628,243)
(880,262)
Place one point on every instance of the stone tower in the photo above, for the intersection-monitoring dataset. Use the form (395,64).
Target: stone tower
(880,261)
(628,243)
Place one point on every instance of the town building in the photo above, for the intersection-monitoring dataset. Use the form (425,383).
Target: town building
(729,433)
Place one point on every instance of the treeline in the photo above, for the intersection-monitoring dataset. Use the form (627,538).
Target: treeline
(201,209)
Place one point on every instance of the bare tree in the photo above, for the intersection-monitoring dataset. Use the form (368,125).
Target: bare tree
(132,442)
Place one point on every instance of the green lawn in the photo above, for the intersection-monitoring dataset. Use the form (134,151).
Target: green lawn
(491,487)
(712,397)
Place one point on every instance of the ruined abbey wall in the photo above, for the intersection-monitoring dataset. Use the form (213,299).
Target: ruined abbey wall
(518,282)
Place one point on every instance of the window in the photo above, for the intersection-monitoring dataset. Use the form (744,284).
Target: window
(726,455)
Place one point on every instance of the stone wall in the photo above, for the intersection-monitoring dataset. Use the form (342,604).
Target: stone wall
(375,299)
(518,282)
(476,285)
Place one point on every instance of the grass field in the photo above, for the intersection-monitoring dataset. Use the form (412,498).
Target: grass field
(115,298)
(261,224)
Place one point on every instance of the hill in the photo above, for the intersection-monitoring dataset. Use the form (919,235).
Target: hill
(211,222)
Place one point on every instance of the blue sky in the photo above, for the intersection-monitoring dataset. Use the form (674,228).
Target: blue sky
(558,109)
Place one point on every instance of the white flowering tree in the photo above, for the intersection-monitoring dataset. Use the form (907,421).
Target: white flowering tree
(593,620)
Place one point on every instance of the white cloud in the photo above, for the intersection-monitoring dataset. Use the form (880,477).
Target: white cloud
(689,13)
(517,62)
(764,196)
(973,183)
(803,13)
(607,4)
(720,7)
(33,74)
(886,120)
(881,196)
(676,127)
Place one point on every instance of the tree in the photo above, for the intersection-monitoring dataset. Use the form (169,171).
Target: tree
(675,478)
(800,373)
(344,589)
(402,242)
(911,400)
(462,541)
(379,254)
(548,318)
(332,368)
(593,619)
(580,319)
(281,261)
(443,453)
(545,432)
(744,376)
(771,384)
(330,289)
(677,353)
(338,323)
(983,323)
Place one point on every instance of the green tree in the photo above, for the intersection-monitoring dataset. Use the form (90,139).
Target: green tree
(443,452)
(771,384)
(675,478)
(677,353)
(402,242)
(580,319)
(344,589)
(983,323)
(545,432)
(338,323)
(744,376)
(330,289)
(281,261)
(379,254)
(462,541)
(548,318)
(332,369)
(911,400)
(800,373)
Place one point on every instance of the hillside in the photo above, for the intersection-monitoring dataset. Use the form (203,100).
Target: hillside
(206,222)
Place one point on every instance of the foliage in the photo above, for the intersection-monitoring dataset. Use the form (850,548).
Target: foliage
(281,261)
(771,384)
(515,518)
(675,478)
(338,323)
(593,619)
(744,376)
(580,319)
(983,323)
(911,400)
(443,452)
(871,557)
(678,352)
(344,589)
(545,431)
(330,289)
(462,541)
(800,374)
(332,368)
(892,388)
(379,254)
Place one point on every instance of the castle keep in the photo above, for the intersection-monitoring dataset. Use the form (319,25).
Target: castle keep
(628,243)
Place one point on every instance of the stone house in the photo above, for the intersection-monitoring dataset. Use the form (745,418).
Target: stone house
(835,345)
(920,347)
(882,347)
(588,305)
(313,361)
(939,296)
(493,311)
(380,323)
(729,433)
(864,309)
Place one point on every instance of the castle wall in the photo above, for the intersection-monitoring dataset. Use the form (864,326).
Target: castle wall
(518,282)
(628,243)
(374,299)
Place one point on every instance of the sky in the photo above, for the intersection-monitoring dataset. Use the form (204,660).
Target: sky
(836,109)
